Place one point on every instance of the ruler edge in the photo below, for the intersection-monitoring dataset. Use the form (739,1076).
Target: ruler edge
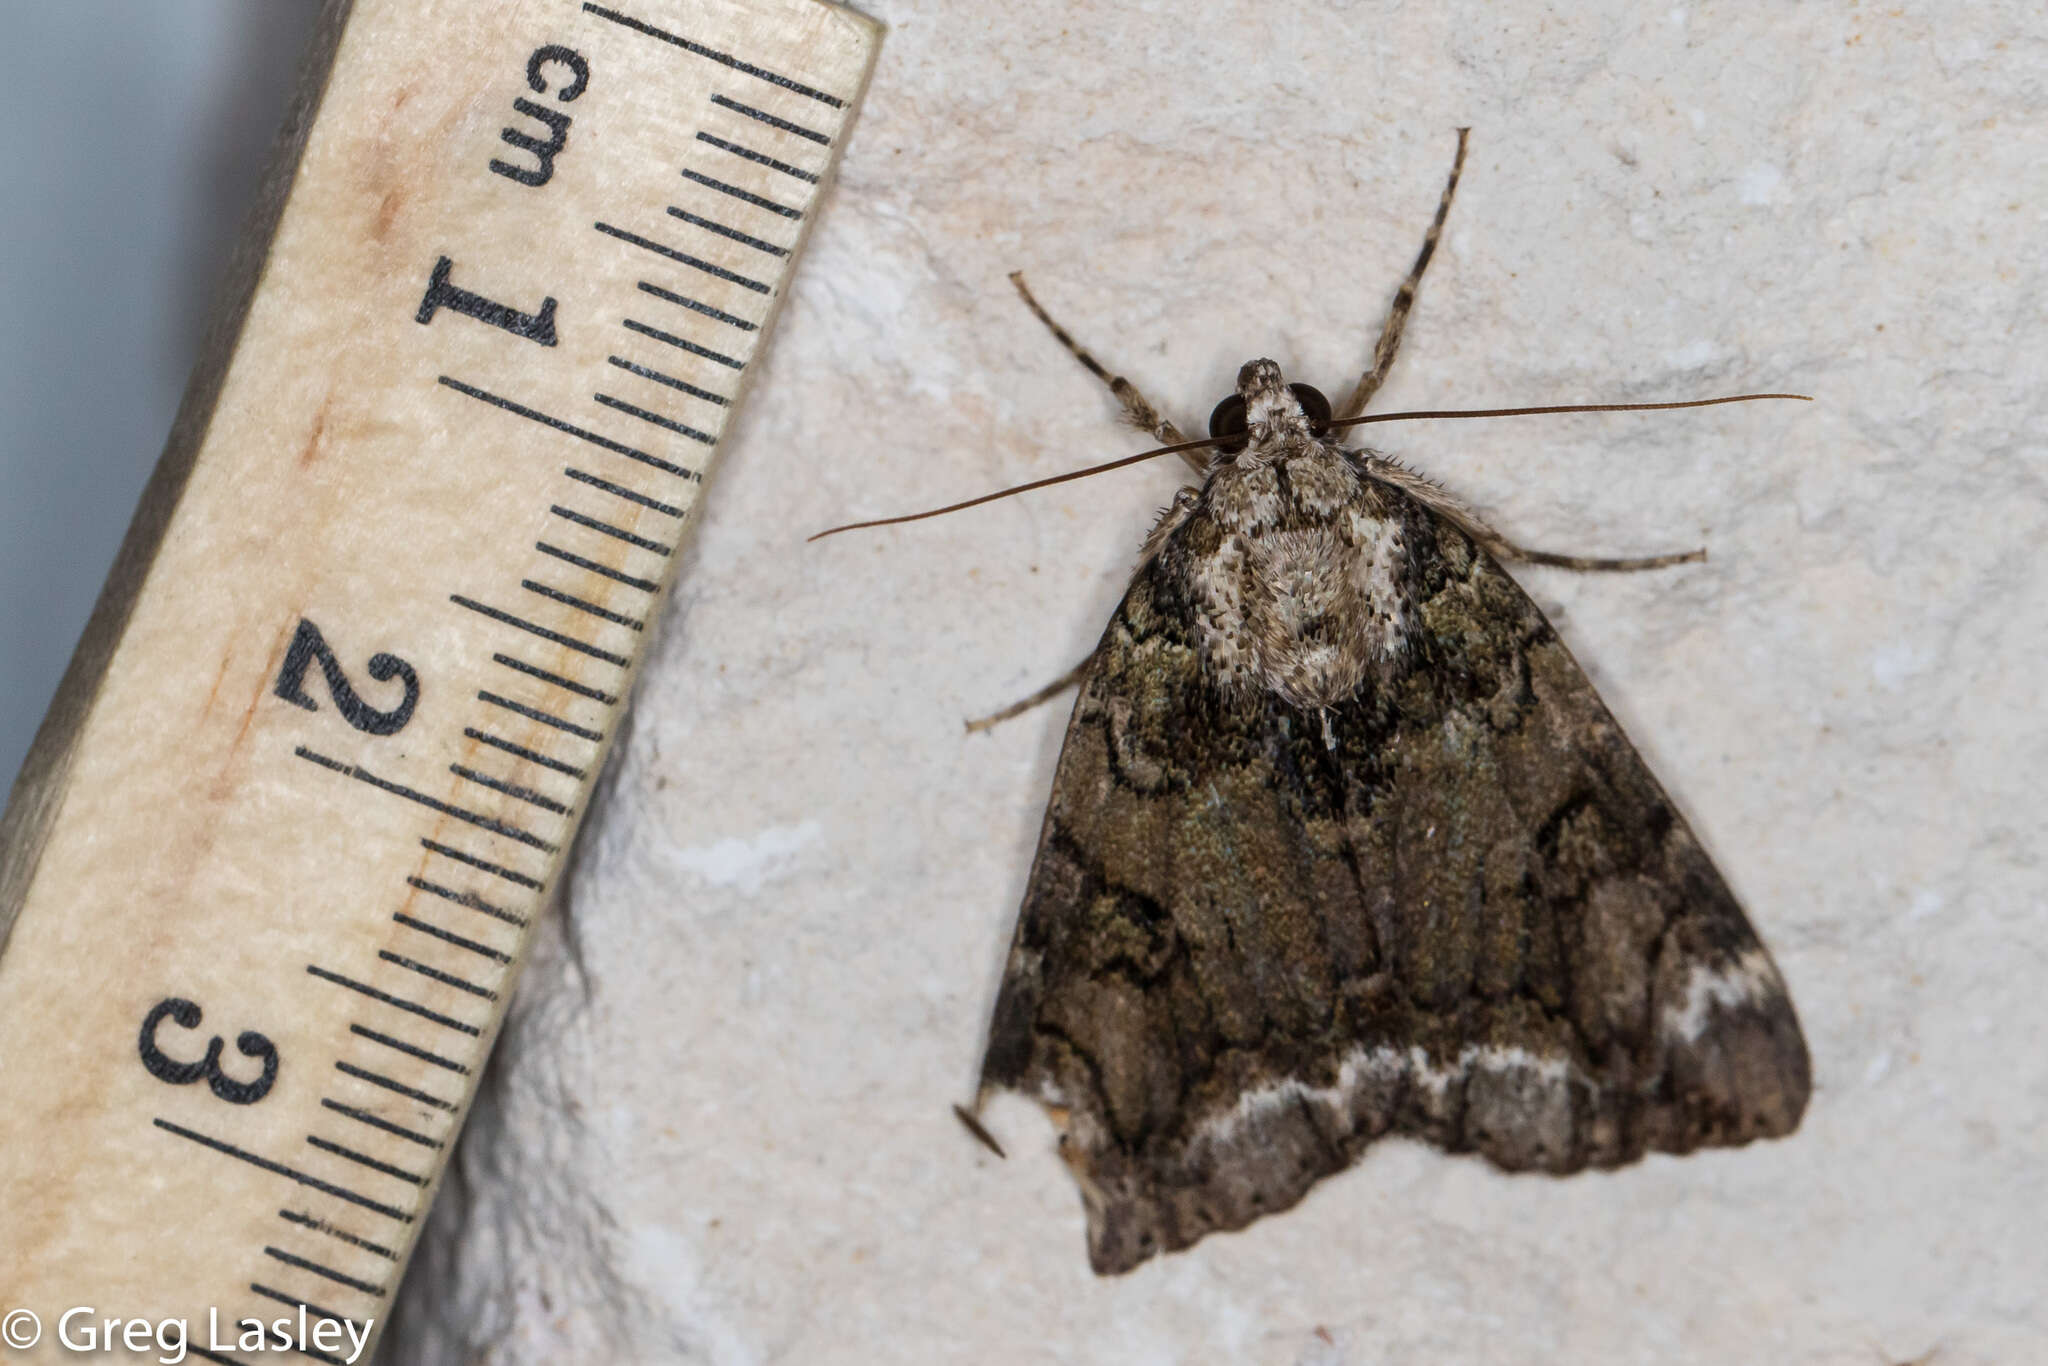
(37,796)
(39,788)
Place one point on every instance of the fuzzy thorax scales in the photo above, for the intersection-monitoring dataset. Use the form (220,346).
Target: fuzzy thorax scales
(1294,562)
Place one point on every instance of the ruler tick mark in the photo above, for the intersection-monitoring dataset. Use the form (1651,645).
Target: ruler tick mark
(292,1216)
(306,1264)
(365,1160)
(399,1002)
(737,193)
(469,900)
(566,685)
(621,491)
(670,380)
(634,325)
(436,974)
(648,586)
(683,257)
(570,642)
(410,1050)
(759,160)
(546,719)
(763,116)
(723,231)
(603,613)
(449,937)
(510,789)
(522,752)
(569,600)
(607,529)
(377,1078)
(365,1117)
(313,1309)
(482,822)
(534,415)
(706,309)
(280,1169)
(472,860)
(722,58)
(656,419)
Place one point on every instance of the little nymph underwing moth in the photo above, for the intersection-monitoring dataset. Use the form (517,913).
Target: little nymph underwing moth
(1343,844)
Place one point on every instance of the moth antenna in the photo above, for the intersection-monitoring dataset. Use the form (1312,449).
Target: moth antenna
(1560,408)
(980,1131)
(1417,415)
(1175,449)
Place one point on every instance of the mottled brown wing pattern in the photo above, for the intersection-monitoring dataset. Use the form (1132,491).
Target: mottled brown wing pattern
(1469,914)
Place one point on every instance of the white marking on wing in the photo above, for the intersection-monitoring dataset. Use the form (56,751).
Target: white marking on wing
(1750,978)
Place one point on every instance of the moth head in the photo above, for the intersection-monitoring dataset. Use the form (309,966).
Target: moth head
(1266,407)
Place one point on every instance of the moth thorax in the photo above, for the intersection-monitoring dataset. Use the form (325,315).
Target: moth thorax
(1303,593)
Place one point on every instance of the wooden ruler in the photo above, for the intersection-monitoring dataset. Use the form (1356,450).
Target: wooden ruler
(272,867)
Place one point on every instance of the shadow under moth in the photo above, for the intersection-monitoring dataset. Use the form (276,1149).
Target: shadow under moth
(1343,844)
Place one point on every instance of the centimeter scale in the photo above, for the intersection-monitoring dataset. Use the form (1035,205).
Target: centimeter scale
(272,866)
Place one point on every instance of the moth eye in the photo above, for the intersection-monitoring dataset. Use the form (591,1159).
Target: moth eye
(1228,420)
(1313,406)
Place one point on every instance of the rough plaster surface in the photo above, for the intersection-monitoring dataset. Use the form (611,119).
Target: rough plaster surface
(725,1137)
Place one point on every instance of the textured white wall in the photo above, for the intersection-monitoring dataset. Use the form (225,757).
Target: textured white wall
(726,1137)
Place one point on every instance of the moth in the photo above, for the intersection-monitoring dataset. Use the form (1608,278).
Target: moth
(1342,844)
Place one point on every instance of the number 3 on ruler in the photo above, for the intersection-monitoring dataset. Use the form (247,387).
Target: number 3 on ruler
(165,1068)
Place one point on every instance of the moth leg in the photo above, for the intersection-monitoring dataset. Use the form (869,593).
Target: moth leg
(1137,408)
(1044,694)
(1438,500)
(974,1126)
(1404,298)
